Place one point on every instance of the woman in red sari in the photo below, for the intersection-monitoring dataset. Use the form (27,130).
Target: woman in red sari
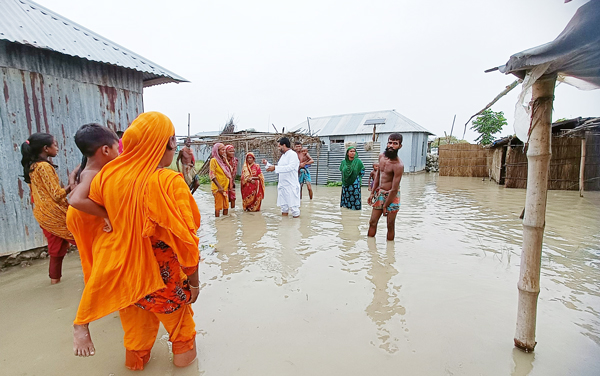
(253,184)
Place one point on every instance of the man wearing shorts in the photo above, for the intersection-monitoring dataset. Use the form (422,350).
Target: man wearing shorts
(303,173)
(385,198)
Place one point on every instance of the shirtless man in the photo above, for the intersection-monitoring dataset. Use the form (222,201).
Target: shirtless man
(303,173)
(384,196)
(188,162)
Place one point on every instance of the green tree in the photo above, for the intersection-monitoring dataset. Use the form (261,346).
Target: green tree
(444,140)
(487,125)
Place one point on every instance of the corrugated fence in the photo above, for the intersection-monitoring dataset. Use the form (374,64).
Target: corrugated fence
(43,91)
(327,162)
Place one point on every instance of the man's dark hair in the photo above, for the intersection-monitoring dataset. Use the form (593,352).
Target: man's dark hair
(284,141)
(297,143)
(396,137)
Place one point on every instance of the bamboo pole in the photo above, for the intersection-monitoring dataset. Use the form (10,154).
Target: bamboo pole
(538,166)
(582,167)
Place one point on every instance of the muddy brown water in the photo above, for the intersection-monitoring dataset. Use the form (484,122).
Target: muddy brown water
(314,296)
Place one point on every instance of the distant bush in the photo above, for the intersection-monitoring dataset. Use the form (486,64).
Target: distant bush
(203,179)
(334,184)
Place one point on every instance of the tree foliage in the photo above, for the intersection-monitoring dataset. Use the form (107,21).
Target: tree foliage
(444,141)
(487,125)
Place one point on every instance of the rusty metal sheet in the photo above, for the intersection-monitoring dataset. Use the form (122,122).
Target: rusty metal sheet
(57,100)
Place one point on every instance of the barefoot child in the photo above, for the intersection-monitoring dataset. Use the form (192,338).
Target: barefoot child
(372,175)
(49,199)
(99,145)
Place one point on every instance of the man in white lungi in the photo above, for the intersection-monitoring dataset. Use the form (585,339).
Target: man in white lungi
(288,188)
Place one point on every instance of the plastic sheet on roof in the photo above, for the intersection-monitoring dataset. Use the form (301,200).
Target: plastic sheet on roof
(574,56)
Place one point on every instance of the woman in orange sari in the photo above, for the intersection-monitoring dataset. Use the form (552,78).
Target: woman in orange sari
(253,184)
(147,267)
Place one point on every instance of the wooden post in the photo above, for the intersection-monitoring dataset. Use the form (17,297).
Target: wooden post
(538,166)
(452,130)
(582,167)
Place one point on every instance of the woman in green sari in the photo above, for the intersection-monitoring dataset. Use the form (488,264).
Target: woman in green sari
(352,170)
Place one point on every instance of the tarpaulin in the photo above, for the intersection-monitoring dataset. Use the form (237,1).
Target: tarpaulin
(574,56)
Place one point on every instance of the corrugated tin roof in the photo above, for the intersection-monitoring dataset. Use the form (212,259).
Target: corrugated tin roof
(361,123)
(25,22)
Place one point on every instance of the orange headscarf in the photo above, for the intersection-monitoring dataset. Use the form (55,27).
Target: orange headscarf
(125,268)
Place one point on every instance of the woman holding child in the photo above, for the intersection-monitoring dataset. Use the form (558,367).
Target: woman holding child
(147,267)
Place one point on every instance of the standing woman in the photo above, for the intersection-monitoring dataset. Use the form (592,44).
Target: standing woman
(220,176)
(49,199)
(233,164)
(352,170)
(147,267)
(253,184)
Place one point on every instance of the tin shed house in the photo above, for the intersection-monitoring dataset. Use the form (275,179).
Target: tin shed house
(55,76)
(366,127)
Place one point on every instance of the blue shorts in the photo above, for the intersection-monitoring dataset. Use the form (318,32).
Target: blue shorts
(304,176)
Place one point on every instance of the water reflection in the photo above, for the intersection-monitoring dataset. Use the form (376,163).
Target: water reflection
(314,295)
(386,302)
(523,362)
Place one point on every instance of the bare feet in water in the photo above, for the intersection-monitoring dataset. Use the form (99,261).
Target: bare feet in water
(82,341)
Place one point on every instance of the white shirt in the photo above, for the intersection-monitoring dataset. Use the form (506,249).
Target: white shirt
(288,188)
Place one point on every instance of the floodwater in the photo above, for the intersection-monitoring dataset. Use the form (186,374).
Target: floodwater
(314,296)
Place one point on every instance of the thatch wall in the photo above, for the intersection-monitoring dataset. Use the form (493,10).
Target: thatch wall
(564,165)
(464,160)
(592,163)
(496,163)
(516,167)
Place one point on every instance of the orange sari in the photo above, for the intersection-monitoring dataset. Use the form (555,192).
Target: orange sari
(138,199)
(253,191)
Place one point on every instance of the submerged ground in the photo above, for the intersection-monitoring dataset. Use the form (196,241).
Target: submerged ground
(314,296)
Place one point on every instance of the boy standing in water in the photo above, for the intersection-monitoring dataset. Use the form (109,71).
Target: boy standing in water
(384,196)
(99,145)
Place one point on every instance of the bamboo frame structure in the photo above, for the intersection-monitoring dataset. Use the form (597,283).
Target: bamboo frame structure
(538,157)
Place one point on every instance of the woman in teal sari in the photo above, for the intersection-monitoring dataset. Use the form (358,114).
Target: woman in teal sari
(352,170)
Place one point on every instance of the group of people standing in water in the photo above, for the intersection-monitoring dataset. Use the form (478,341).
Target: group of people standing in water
(135,222)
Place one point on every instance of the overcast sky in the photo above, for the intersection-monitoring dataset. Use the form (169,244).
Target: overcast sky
(281,61)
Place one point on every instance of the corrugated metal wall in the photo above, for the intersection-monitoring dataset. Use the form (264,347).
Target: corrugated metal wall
(44,91)
(327,162)
(337,153)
